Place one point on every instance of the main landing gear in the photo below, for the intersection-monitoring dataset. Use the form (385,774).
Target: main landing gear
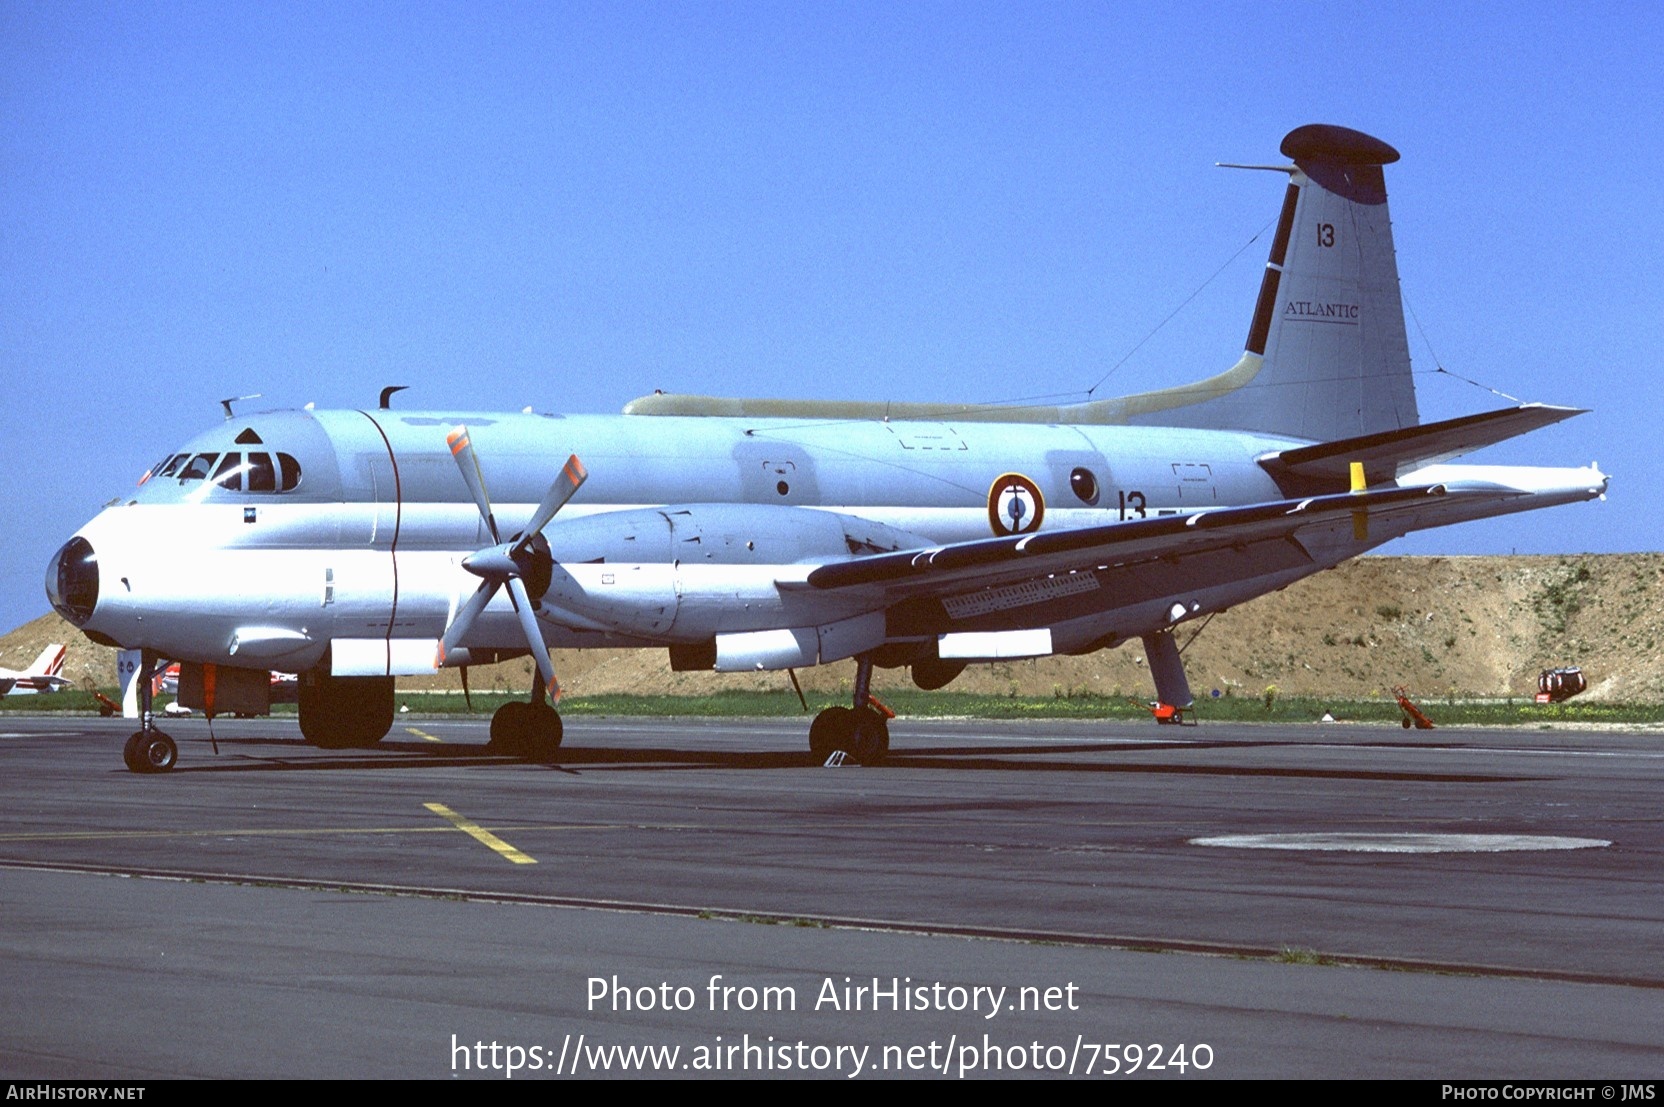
(148,750)
(860,732)
(529,730)
(344,713)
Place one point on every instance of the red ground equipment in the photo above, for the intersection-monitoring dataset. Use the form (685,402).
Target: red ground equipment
(1412,713)
(1165,713)
(1560,685)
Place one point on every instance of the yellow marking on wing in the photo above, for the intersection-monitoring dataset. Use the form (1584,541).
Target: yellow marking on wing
(480,834)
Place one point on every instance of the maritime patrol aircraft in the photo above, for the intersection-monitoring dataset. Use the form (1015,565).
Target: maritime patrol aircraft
(353,547)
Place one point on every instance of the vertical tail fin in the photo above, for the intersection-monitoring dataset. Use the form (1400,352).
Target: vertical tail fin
(1327,337)
(49,663)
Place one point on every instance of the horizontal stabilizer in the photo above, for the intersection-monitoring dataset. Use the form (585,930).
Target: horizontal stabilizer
(1389,453)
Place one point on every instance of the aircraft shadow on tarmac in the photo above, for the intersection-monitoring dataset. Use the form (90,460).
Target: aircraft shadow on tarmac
(269,754)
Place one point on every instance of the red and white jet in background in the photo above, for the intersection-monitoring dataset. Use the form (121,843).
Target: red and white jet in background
(45,675)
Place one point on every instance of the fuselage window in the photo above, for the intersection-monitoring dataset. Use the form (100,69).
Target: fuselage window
(1084,485)
(198,467)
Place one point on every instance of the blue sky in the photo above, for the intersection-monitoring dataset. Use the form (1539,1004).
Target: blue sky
(569,205)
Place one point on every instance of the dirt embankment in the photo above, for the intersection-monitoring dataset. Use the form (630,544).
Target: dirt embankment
(1469,625)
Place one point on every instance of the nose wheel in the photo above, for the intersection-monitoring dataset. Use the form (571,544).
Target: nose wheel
(148,750)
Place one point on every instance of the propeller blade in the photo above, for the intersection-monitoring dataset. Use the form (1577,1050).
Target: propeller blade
(572,477)
(462,448)
(534,637)
(465,618)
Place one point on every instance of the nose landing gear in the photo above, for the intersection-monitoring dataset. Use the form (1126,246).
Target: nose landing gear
(148,750)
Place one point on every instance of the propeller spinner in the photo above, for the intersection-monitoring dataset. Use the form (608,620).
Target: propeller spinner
(524,557)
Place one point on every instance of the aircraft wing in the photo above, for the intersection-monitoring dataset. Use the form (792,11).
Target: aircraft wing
(992,561)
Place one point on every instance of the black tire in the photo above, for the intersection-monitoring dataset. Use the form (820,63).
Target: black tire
(832,730)
(345,712)
(544,731)
(130,753)
(871,740)
(511,728)
(150,753)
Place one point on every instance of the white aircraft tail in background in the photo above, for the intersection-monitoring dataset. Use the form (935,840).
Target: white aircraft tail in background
(45,675)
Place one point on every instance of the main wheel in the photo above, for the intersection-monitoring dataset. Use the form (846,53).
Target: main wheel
(832,730)
(345,712)
(529,730)
(871,742)
(511,727)
(543,733)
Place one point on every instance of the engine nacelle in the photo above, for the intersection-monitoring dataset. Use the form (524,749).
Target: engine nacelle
(689,572)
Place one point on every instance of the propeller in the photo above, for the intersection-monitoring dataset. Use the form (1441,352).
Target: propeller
(510,564)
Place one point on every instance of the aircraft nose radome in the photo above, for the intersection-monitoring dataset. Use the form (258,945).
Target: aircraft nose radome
(72,581)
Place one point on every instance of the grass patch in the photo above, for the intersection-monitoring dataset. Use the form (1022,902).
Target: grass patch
(910,703)
(1296,955)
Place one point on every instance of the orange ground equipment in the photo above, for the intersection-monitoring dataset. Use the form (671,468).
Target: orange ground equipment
(1165,713)
(1412,714)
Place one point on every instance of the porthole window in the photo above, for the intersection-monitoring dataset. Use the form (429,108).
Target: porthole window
(1084,485)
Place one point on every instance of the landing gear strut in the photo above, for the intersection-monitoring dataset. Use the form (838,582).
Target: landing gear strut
(1173,700)
(148,750)
(529,730)
(861,732)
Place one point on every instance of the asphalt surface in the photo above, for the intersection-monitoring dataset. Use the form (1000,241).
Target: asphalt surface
(279,910)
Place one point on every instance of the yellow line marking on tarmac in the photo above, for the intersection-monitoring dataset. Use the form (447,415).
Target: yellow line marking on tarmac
(422,734)
(480,834)
(282,832)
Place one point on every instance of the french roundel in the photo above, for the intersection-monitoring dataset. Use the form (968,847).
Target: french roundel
(1015,505)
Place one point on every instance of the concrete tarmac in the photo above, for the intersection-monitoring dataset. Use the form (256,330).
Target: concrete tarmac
(998,899)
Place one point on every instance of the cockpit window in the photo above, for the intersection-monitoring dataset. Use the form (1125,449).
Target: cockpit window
(198,467)
(270,473)
(233,472)
(229,475)
(262,477)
